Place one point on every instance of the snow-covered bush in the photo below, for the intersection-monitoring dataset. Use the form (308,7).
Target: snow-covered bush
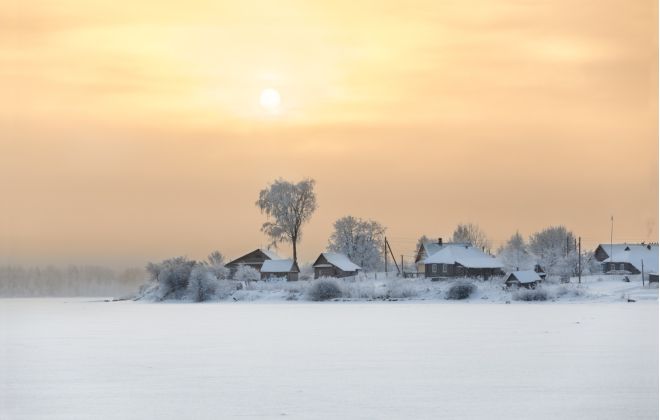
(400,289)
(171,276)
(529,295)
(565,291)
(323,289)
(202,284)
(460,290)
(246,273)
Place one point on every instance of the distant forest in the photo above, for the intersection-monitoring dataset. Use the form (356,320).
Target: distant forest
(18,281)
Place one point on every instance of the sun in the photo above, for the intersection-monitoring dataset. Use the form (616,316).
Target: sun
(270,99)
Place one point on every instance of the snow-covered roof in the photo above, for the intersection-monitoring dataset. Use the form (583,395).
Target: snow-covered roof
(431,248)
(270,254)
(465,255)
(635,254)
(524,276)
(614,248)
(340,261)
(277,266)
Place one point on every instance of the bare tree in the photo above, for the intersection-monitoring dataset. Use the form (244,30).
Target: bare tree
(288,206)
(471,233)
(515,255)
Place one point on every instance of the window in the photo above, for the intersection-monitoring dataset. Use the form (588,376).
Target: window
(434,268)
(444,268)
(622,266)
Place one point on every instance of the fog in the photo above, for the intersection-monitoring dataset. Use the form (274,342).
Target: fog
(69,281)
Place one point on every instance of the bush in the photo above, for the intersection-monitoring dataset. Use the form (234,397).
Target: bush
(321,290)
(530,295)
(172,276)
(246,273)
(202,284)
(461,290)
(400,289)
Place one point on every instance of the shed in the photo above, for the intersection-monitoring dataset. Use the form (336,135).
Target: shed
(280,269)
(334,264)
(528,278)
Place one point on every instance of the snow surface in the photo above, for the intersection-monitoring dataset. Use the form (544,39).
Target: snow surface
(76,359)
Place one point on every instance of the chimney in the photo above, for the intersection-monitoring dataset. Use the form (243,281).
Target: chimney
(440,241)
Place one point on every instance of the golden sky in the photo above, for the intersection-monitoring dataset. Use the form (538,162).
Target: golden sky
(132,130)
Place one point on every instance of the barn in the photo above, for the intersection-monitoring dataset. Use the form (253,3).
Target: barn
(280,269)
(527,278)
(254,259)
(334,264)
(461,260)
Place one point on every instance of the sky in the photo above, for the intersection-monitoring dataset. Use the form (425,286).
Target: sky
(133,131)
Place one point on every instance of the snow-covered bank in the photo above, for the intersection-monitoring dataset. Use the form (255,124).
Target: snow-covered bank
(598,288)
(74,359)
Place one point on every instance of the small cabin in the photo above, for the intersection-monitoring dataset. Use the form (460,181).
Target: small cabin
(279,269)
(334,264)
(254,259)
(528,279)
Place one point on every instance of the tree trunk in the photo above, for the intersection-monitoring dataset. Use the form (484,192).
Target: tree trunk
(295,253)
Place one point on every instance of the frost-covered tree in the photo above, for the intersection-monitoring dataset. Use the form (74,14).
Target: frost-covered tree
(171,276)
(288,206)
(515,255)
(471,233)
(422,240)
(216,264)
(361,240)
(554,248)
(246,273)
(202,284)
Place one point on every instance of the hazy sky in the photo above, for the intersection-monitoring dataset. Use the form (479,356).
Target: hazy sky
(132,130)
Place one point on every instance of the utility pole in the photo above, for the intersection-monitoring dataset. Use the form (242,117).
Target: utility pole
(385,255)
(611,240)
(567,245)
(387,246)
(402,272)
(580,260)
(643,273)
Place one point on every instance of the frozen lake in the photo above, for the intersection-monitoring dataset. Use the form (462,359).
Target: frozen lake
(75,359)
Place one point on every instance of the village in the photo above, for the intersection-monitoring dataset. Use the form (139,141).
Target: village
(448,260)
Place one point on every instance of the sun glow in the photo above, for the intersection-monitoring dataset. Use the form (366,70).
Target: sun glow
(270,99)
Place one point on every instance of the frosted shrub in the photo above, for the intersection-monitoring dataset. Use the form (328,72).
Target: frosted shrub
(400,289)
(323,289)
(246,273)
(529,295)
(172,277)
(569,292)
(202,284)
(460,290)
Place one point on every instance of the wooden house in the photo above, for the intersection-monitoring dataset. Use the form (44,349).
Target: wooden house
(280,269)
(333,264)
(254,259)
(461,260)
(527,278)
(426,249)
(631,259)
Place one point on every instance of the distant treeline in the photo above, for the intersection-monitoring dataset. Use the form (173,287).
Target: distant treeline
(19,281)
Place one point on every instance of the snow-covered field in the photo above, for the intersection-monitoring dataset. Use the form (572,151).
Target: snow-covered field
(80,359)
